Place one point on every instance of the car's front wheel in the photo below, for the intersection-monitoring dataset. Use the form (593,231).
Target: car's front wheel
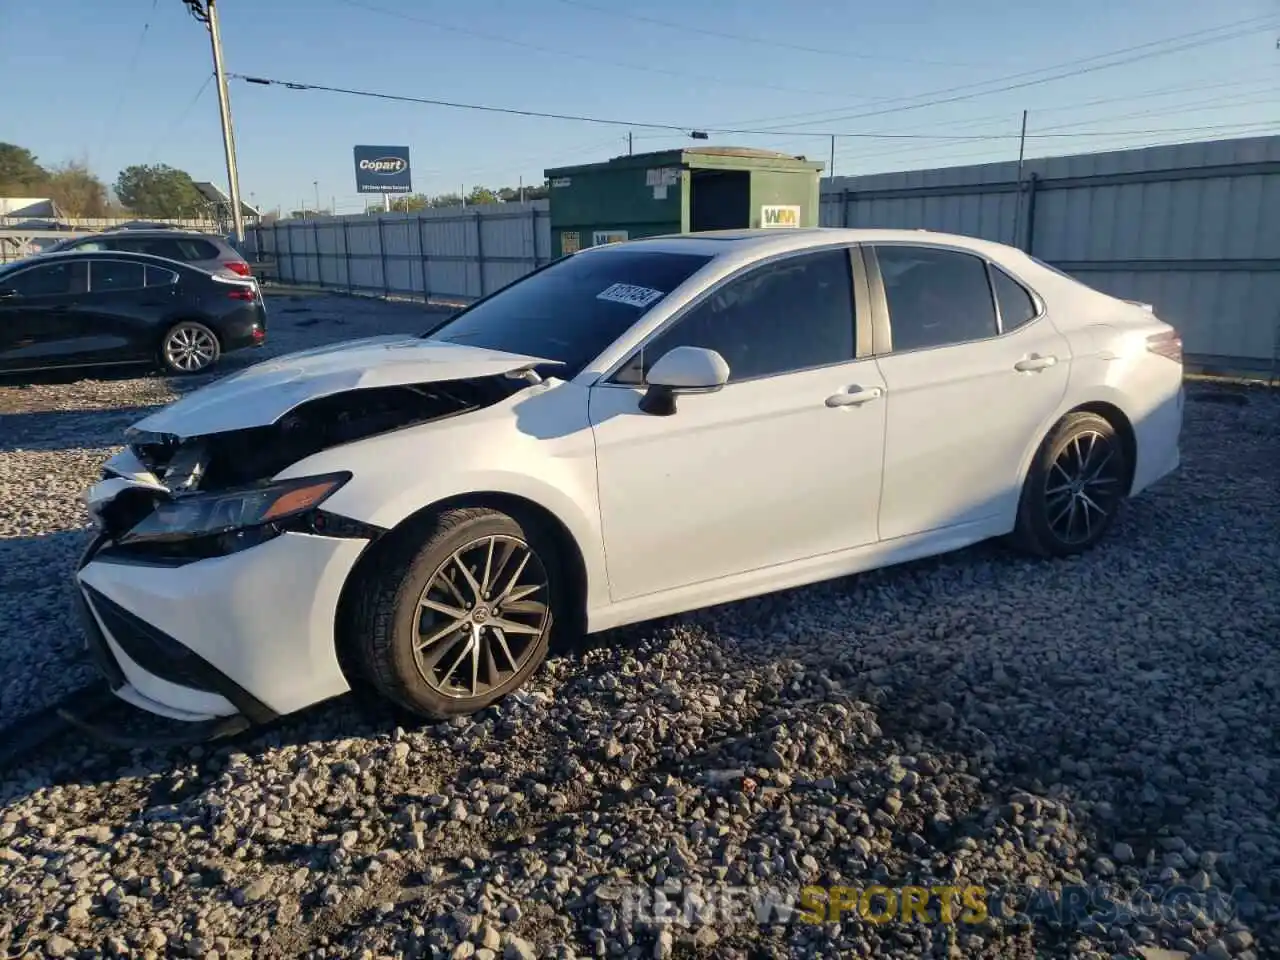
(189,347)
(1074,489)
(456,612)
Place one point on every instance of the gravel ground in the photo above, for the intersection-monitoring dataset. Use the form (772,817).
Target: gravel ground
(974,720)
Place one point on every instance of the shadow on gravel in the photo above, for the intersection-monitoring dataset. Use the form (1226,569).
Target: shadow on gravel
(68,429)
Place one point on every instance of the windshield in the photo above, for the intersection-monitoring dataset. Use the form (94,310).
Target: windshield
(573,309)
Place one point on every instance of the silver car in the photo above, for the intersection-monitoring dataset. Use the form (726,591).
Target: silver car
(202,250)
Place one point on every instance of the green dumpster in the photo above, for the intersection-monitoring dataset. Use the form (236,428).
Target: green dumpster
(680,191)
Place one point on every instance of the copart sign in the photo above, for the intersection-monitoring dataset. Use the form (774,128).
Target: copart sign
(383,170)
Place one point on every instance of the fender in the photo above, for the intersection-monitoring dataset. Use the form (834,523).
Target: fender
(507,449)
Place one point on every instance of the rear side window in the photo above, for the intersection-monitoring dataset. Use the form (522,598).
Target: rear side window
(936,297)
(108,275)
(171,248)
(160,277)
(1016,305)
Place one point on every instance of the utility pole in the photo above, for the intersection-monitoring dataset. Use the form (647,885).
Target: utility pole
(316,184)
(831,170)
(629,143)
(206,12)
(522,189)
(1017,202)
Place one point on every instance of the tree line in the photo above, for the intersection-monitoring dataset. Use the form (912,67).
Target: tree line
(161,192)
(143,190)
(413,202)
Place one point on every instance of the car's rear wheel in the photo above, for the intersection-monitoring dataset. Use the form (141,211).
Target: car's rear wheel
(1076,484)
(189,347)
(456,612)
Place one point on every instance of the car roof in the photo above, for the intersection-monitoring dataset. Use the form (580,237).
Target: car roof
(760,242)
(54,255)
(151,232)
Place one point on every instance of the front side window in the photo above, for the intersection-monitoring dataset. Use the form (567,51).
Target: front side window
(573,309)
(936,297)
(790,314)
(57,279)
(108,275)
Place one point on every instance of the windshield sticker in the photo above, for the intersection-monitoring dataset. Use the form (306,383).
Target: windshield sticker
(630,294)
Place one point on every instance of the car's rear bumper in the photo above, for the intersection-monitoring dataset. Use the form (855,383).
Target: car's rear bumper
(248,636)
(244,328)
(1158,440)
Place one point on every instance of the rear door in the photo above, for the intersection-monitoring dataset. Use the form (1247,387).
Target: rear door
(121,316)
(37,328)
(973,368)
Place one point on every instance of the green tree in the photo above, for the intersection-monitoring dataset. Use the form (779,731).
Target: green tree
(446,200)
(159,191)
(20,174)
(410,203)
(479,195)
(79,193)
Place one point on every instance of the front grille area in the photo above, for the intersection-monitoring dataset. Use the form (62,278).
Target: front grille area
(151,649)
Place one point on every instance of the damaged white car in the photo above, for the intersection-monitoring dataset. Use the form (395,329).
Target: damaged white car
(631,431)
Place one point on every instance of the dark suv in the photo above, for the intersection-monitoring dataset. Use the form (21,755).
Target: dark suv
(201,250)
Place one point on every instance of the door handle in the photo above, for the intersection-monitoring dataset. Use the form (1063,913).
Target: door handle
(1034,362)
(855,396)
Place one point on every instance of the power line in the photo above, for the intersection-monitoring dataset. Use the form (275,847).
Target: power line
(1193,107)
(675,128)
(968,123)
(181,117)
(762,41)
(569,54)
(900,108)
(128,72)
(821,115)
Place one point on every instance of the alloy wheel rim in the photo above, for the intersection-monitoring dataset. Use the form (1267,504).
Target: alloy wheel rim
(1082,487)
(189,349)
(480,617)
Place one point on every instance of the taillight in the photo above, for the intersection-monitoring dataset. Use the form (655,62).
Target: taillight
(247,294)
(1167,345)
(238,267)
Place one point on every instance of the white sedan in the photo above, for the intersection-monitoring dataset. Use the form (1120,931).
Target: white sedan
(631,431)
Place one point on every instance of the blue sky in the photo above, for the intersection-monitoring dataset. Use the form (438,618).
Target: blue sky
(86,81)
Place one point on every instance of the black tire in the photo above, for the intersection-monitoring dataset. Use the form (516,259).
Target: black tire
(1053,524)
(191,331)
(388,615)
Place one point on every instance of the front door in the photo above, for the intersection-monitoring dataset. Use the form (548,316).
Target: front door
(36,325)
(973,372)
(781,464)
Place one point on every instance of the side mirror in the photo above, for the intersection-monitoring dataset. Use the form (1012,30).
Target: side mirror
(682,370)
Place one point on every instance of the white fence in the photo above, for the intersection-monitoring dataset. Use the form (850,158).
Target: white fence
(1193,229)
(451,254)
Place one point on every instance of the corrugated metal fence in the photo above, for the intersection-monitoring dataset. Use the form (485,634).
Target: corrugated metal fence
(1193,229)
(454,253)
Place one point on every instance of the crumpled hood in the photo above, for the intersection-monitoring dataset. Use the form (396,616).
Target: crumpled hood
(262,394)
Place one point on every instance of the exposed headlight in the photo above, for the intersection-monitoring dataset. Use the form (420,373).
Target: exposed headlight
(232,511)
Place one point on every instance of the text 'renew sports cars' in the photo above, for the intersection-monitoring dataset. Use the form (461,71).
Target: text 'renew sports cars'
(631,431)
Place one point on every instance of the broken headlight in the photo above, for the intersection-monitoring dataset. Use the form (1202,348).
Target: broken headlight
(233,512)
